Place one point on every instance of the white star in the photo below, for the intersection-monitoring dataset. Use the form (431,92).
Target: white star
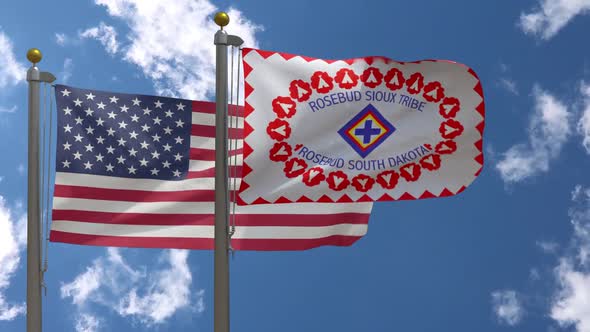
(133,152)
(155,171)
(146,111)
(158,104)
(176,173)
(89,111)
(166,164)
(132,170)
(110,167)
(99,122)
(90,131)
(114,99)
(155,155)
(123,125)
(121,160)
(101,105)
(111,149)
(89,148)
(66,164)
(67,145)
(156,138)
(78,120)
(99,140)
(144,145)
(179,123)
(145,127)
(143,162)
(136,101)
(112,115)
(121,141)
(168,131)
(157,120)
(168,114)
(78,138)
(177,157)
(180,106)
(124,108)
(133,134)
(66,93)
(167,147)
(134,118)
(67,111)
(77,155)
(87,165)
(67,128)
(99,157)
(90,96)
(110,132)
(179,140)
(78,102)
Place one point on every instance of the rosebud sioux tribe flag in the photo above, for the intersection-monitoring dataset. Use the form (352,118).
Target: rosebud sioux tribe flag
(138,171)
(366,129)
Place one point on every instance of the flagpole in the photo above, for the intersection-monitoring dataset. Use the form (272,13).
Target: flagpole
(221,259)
(34,304)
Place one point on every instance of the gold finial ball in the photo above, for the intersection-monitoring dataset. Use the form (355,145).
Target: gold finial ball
(34,55)
(221,19)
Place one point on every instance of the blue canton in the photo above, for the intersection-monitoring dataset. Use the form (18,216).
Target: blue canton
(123,135)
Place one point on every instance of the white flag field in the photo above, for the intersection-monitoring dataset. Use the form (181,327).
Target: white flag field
(365,129)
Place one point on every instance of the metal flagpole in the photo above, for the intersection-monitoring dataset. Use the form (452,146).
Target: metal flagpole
(34,77)
(221,269)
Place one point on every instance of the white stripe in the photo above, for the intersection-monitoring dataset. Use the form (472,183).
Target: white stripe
(80,204)
(201,165)
(209,143)
(191,231)
(207,119)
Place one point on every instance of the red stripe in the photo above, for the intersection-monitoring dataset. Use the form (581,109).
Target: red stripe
(209,108)
(283,220)
(134,195)
(209,155)
(209,131)
(200,243)
(210,173)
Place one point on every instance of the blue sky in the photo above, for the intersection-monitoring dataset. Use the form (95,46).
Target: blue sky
(510,253)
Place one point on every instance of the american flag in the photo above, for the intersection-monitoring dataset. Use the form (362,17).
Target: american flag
(138,171)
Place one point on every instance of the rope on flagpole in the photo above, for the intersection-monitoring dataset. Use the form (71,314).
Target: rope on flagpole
(46,171)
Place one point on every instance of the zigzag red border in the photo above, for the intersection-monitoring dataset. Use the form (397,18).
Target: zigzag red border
(248,109)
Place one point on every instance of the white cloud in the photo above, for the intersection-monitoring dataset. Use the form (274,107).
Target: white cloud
(8,110)
(66,73)
(87,323)
(548,247)
(12,241)
(61,39)
(151,298)
(551,16)
(584,122)
(507,307)
(508,85)
(172,42)
(571,305)
(12,72)
(106,34)
(21,169)
(549,129)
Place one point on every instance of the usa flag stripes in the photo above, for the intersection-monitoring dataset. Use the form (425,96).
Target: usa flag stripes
(138,171)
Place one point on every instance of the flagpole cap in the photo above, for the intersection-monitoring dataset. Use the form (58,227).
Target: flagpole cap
(221,19)
(34,55)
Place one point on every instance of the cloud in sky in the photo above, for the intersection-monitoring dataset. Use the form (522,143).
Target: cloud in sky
(12,241)
(12,72)
(584,122)
(570,305)
(550,16)
(184,65)
(507,307)
(548,131)
(66,73)
(149,296)
(105,34)
(508,85)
